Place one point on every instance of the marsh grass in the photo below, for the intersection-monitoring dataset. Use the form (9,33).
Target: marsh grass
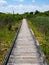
(40,26)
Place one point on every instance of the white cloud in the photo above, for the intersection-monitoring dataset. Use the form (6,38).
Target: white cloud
(19,0)
(33,0)
(43,8)
(3,2)
(20,8)
(23,8)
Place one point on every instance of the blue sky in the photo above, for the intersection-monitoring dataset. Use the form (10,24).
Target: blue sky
(21,6)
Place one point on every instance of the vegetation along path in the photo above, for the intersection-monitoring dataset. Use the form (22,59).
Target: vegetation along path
(25,50)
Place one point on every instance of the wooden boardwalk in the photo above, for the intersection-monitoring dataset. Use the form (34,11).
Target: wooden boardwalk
(25,51)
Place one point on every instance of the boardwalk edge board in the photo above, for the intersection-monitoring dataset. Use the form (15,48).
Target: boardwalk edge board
(10,50)
(38,47)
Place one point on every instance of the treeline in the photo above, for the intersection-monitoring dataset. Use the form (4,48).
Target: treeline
(36,13)
(9,18)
